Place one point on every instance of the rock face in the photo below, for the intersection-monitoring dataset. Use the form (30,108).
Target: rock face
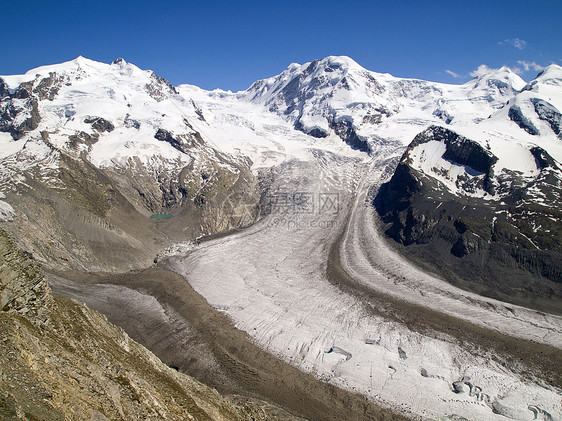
(344,129)
(182,143)
(100,124)
(550,114)
(23,289)
(481,236)
(18,112)
(61,360)
(461,151)
(516,115)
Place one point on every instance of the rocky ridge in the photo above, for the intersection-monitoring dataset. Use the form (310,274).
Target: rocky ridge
(61,360)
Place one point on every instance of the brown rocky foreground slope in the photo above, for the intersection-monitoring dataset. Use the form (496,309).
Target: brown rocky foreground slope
(61,360)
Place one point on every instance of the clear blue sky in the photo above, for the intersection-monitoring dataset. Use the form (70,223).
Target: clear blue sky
(230,44)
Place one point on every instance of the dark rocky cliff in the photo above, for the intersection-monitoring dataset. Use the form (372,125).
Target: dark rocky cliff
(550,114)
(487,246)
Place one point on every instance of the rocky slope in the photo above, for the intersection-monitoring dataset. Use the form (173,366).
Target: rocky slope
(61,360)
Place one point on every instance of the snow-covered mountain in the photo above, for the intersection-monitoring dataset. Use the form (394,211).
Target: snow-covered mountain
(103,167)
(92,150)
(336,95)
(481,201)
(366,108)
(137,141)
(114,114)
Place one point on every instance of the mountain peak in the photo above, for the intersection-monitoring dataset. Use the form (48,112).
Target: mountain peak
(319,74)
(551,74)
(331,64)
(68,67)
(340,61)
(503,72)
(79,62)
(502,78)
(82,61)
(119,61)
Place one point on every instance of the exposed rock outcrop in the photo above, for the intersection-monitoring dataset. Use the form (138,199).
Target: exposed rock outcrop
(19,113)
(461,150)
(550,114)
(100,124)
(159,88)
(517,116)
(345,130)
(23,289)
(178,143)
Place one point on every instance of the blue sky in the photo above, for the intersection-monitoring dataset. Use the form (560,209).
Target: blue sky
(230,44)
